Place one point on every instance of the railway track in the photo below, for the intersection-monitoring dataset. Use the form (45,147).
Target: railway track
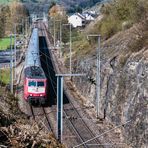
(79,126)
(40,116)
(72,116)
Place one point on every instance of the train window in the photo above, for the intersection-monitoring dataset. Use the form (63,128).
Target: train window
(32,83)
(40,84)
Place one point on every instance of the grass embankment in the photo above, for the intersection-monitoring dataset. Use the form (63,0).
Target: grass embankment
(4,76)
(5,43)
(81,44)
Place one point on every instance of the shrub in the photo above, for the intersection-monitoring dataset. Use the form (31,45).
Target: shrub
(109,27)
(119,12)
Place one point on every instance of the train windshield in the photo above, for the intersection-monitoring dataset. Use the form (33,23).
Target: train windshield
(40,84)
(32,83)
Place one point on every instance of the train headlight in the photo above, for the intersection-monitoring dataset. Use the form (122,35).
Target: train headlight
(30,94)
(41,95)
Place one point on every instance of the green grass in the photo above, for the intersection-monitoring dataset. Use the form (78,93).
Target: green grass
(5,76)
(5,43)
(5,1)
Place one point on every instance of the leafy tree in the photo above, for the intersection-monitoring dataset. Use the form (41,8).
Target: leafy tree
(11,14)
(18,14)
(6,18)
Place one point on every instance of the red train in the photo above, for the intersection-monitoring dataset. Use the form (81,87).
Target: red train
(35,81)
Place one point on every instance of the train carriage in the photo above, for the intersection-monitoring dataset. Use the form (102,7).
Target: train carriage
(35,81)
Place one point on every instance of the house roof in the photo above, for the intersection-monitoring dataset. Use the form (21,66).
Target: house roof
(89,14)
(79,15)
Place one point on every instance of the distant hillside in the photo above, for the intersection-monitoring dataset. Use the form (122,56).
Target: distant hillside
(38,6)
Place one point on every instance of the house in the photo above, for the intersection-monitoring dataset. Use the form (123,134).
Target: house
(80,20)
(77,20)
(88,16)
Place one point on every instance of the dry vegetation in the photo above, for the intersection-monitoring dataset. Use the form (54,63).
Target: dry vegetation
(16,130)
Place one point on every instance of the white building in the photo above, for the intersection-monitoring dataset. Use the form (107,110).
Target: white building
(88,16)
(77,20)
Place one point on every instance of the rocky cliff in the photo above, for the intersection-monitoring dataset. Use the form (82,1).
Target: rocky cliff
(124,82)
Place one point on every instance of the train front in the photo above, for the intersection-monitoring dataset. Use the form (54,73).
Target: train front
(35,86)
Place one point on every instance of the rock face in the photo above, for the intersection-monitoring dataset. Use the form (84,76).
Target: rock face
(124,83)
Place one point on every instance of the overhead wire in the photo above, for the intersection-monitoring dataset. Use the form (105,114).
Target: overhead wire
(108,131)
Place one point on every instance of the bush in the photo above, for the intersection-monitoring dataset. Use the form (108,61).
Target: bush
(109,27)
(119,12)
(82,47)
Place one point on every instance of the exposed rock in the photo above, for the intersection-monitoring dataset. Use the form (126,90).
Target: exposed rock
(124,87)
